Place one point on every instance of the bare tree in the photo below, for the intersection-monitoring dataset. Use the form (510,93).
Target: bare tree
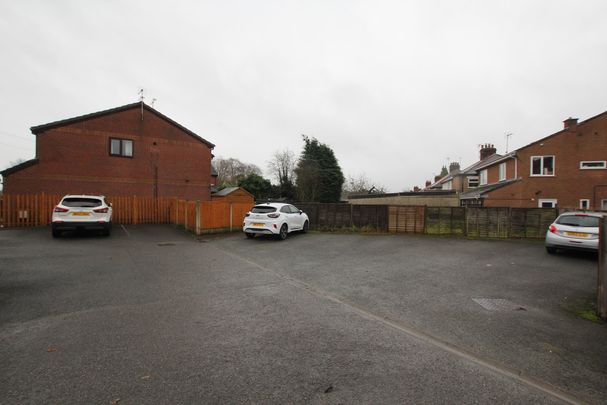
(282,167)
(362,185)
(230,170)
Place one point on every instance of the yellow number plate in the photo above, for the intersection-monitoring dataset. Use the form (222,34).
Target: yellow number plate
(80,214)
(578,234)
(257,224)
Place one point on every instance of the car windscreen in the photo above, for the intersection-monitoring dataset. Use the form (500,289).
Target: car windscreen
(81,202)
(578,220)
(263,209)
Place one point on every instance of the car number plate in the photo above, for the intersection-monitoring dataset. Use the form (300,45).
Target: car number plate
(257,224)
(80,214)
(578,234)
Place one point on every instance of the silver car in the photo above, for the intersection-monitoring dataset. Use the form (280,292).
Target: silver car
(574,230)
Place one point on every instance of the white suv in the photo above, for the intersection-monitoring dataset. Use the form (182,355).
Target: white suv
(274,219)
(76,212)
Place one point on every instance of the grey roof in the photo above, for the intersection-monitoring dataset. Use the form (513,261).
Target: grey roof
(226,191)
(478,192)
(470,170)
(19,166)
(482,163)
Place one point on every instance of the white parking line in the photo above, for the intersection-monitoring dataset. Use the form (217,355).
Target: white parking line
(125,231)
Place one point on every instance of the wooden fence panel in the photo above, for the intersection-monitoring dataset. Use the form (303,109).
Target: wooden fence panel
(406,219)
(370,216)
(312,210)
(445,221)
(488,222)
(239,210)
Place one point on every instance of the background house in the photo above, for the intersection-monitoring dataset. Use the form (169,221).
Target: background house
(567,169)
(128,150)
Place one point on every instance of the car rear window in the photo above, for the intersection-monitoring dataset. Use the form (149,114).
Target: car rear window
(263,209)
(81,202)
(578,220)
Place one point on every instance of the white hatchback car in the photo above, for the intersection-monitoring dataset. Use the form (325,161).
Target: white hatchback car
(574,230)
(274,219)
(75,212)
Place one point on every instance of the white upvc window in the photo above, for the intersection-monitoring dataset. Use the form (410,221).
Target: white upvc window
(593,164)
(483,177)
(604,205)
(542,165)
(584,204)
(502,171)
(448,185)
(546,202)
(472,181)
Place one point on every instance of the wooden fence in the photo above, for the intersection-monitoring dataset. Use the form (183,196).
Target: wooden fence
(208,216)
(335,216)
(456,221)
(36,210)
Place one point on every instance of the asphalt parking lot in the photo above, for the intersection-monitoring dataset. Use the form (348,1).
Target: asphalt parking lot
(153,315)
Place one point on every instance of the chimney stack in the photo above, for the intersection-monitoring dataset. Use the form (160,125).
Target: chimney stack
(453,167)
(437,178)
(487,150)
(570,124)
(428,183)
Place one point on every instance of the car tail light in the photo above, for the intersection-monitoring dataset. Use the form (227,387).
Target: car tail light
(581,215)
(552,229)
(274,215)
(101,210)
(59,209)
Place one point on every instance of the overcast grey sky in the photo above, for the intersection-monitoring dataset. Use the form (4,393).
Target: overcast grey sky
(396,88)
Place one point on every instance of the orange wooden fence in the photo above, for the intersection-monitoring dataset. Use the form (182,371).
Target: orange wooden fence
(36,210)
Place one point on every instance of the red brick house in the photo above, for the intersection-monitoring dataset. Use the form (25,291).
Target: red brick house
(128,150)
(567,169)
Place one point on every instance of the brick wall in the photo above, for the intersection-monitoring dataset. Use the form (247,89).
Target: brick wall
(75,158)
(587,141)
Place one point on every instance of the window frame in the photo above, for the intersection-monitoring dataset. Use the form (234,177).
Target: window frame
(542,157)
(121,154)
(475,179)
(502,171)
(483,177)
(553,201)
(584,200)
(604,162)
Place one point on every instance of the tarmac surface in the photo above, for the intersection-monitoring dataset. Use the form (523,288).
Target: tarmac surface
(152,315)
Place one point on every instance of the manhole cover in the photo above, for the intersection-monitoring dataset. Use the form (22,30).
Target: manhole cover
(497,304)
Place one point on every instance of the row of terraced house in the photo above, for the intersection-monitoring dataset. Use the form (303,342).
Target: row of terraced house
(567,169)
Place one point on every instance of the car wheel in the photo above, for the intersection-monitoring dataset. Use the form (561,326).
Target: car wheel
(550,250)
(250,235)
(284,230)
(56,233)
(306,227)
(108,230)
